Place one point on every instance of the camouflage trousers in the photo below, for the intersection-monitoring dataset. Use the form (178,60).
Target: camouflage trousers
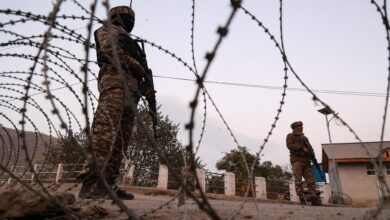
(110,133)
(302,168)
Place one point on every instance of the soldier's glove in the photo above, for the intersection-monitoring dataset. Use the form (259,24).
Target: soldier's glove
(306,150)
(144,89)
(136,68)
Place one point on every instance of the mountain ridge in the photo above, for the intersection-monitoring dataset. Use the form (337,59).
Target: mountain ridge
(12,153)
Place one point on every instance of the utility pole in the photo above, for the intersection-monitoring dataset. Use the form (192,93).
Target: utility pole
(333,171)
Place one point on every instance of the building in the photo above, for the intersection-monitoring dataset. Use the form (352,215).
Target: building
(351,172)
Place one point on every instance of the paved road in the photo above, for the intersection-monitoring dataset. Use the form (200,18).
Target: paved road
(226,209)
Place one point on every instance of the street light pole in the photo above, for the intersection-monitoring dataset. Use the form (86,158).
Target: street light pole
(334,173)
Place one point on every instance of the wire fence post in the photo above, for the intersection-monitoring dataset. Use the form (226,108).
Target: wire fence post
(201,174)
(128,178)
(60,171)
(325,193)
(162,177)
(260,187)
(36,169)
(229,184)
(293,193)
(9,181)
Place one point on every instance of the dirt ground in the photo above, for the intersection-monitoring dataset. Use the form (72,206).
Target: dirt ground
(162,204)
(143,205)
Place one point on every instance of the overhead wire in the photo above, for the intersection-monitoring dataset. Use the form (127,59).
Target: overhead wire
(247,85)
(337,92)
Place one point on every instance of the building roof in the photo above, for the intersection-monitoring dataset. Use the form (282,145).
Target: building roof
(353,150)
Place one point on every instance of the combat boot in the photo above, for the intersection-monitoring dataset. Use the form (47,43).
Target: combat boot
(316,201)
(302,201)
(119,192)
(123,194)
(89,182)
(99,191)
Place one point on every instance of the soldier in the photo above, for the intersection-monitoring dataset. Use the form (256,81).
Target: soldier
(121,63)
(300,158)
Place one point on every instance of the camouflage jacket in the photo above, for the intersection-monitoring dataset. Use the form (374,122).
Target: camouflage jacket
(295,143)
(116,41)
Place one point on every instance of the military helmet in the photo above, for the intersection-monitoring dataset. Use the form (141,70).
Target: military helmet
(296,124)
(121,10)
(123,16)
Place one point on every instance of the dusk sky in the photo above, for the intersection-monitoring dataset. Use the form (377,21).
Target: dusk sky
(338,48)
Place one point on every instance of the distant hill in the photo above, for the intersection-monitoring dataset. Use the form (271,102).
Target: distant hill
(12,153)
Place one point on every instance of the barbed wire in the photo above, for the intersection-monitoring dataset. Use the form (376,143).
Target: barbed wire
(46,194)
(380,170)
(55,60)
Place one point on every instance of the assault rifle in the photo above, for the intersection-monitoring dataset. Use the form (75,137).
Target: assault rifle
(148,90)
(312,155)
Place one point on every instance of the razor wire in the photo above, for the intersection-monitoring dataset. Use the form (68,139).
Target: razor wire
(44,60)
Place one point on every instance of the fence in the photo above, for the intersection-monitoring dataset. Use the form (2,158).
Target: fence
(48,173)
(217,183)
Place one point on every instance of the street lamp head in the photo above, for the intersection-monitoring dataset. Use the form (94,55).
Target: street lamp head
(326,111)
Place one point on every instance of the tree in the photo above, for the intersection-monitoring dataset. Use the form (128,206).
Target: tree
(277,179)
(233,161)
(66,149)
(140,152)
(145,157)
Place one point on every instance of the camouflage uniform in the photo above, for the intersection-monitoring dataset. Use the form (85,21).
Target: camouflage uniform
(114,116)
(121,63)
(300,162)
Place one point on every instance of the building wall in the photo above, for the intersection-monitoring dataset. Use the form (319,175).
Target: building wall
(355,182)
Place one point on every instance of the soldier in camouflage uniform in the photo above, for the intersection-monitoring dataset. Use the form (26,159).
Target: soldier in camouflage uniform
(121,71)
(300,153)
